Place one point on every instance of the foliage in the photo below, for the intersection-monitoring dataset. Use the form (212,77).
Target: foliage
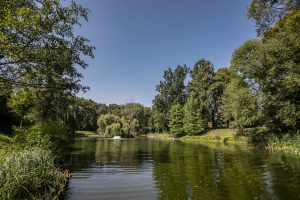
(85,114)
(30,174)
(52,134)
(40,58)
(171,90)
(288,143)
(157,121)
(272,66)
(106,120)
(113,130)
(222,77)
(239,105)
(133,119)
(114,109)
(176,120)
(193,122)
(23,103)
(267,12)
(202,85)
(137,116)
(38,43)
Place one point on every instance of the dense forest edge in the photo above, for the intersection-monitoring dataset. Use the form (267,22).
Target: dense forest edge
(253,101)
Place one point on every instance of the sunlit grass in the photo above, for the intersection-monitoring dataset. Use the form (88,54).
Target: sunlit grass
(217,135)
(161,136)
(86,134)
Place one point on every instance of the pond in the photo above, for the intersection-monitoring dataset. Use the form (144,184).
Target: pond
(144,169)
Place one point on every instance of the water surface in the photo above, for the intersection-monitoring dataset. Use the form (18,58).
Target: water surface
(144,169)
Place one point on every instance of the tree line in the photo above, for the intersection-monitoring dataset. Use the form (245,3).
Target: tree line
(260,88)
(40,58)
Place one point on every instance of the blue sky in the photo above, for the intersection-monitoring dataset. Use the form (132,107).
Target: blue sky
(136,40)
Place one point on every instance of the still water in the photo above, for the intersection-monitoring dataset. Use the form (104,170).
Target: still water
(144,169)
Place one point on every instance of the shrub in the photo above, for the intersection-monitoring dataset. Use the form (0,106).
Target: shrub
(30,174)
(52,134)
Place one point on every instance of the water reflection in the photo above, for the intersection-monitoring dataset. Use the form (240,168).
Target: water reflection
(150,169)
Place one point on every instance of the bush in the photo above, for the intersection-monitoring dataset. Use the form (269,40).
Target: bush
(287,143)
(51,134)
(30,174)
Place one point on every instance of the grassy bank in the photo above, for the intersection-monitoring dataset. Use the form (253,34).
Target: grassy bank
(289,144)
(217,135)
(160,136)
(259,137)
(86,134)
(30,173)
(28,165)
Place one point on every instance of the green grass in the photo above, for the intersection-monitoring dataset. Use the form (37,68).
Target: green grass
(160,136)
(86,134)
(288,143)
(260,137)
(217,135)
(30,174)
(27,166)
(4,139)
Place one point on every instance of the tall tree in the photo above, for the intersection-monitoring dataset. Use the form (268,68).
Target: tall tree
(85,114)
(193,121)
(273,66)
(222,78)
(176,120)
(239,104)
(39,49)
(202,85)
(171,91)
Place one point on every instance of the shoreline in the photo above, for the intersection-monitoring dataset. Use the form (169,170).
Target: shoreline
(229,136)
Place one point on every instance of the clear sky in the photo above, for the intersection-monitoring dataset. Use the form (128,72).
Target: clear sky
(136,40)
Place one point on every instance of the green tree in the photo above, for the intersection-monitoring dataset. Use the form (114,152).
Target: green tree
(113,129)
(23,103)
(106,120)
(272,66)
(176,120)
(222,78)
(114,109)
(193,122)
(39,49)
(267,12)
(202,85)
(171,90)
(239,104)
(85,114)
